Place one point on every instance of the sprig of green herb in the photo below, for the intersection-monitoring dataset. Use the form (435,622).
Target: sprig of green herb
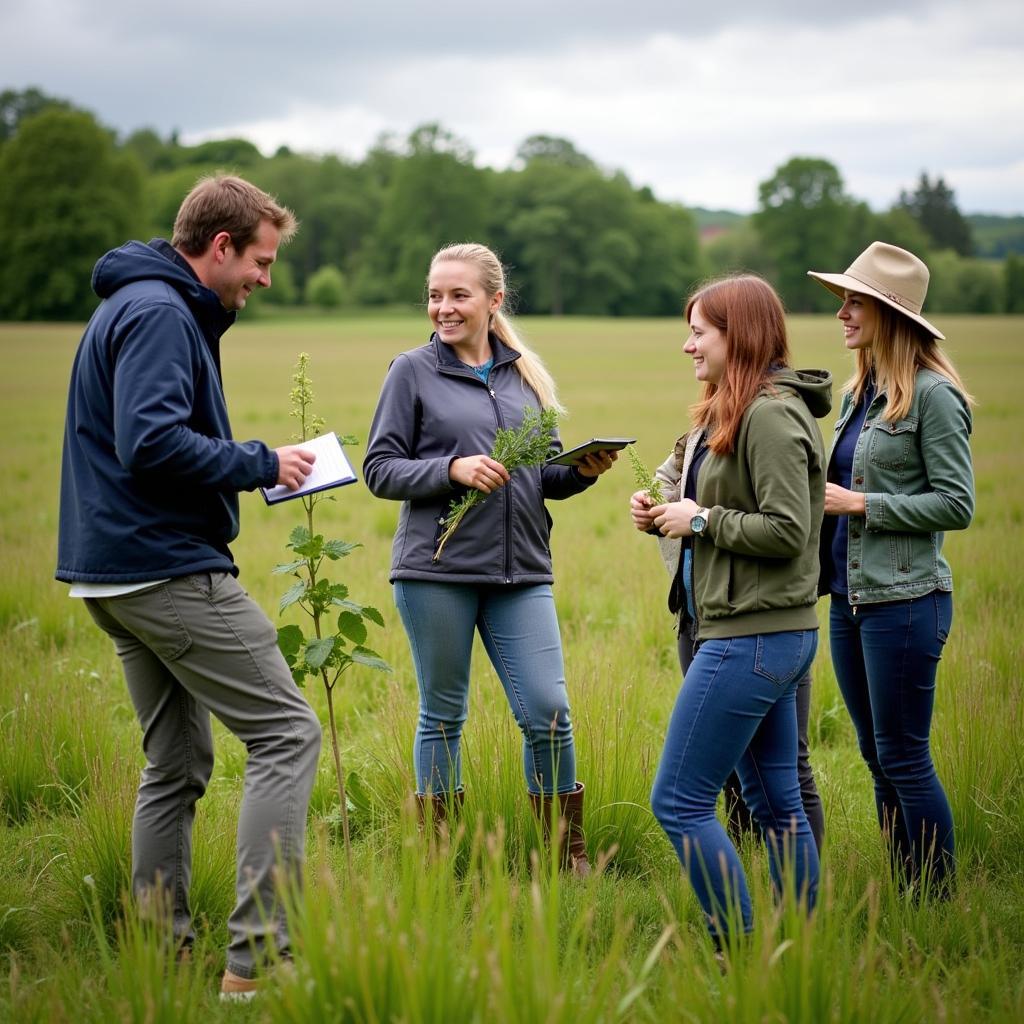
(645,480)
(527,445)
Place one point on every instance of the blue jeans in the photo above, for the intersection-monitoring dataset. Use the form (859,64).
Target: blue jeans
(886,657)
(519,630)
(737,709)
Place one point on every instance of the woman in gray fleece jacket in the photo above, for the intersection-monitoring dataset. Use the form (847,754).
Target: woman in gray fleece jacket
(436,419)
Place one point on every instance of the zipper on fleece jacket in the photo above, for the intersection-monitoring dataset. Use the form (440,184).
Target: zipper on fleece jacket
(507,489)
(499,425)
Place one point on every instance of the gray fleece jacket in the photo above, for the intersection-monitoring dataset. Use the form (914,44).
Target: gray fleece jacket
(432,410)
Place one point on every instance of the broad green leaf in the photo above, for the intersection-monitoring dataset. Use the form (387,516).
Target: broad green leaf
(294,593)
(335,549)
(290,640)
(299,536)
(373,615)
(371,659)
(318,651)
(348,439)
(287,567)
(351,625)
(350,605)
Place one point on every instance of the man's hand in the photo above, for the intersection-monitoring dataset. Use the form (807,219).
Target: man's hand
(480,472)
(294,464)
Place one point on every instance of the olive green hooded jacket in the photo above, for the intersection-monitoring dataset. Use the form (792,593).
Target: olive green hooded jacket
(755,567)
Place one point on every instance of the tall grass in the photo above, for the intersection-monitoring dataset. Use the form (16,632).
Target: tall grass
(484,928)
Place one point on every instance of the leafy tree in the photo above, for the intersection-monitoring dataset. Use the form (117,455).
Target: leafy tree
(554,150)
(803,221)
(226,154)
(435,196)
(959,285)
(737,250)
(1013,284)
(326,288)
(66,197)
(16,106)
(153,152)
(933,205)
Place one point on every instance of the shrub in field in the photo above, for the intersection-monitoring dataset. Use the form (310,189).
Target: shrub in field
(325,654)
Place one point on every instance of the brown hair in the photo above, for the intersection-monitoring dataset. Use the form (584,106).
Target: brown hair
(492,279)
(223,202)
(899,349)
(747,310)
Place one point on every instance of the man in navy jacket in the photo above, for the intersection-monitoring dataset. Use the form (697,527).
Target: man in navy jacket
(149,504)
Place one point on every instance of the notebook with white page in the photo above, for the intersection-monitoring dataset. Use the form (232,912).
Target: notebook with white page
(331,469)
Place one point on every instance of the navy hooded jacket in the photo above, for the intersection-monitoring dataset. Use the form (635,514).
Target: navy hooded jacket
(150,474)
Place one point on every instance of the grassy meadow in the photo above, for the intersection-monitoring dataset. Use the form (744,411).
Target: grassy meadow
(485,930)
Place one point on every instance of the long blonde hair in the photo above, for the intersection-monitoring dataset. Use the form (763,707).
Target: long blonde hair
(492,279)
(900,348)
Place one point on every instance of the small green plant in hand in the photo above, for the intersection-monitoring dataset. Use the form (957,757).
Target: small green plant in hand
(528,445)
(645,480)
(327,652)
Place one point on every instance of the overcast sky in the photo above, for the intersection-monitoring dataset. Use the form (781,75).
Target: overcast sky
(698,101)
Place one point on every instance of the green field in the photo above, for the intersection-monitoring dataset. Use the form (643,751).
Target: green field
(477,933)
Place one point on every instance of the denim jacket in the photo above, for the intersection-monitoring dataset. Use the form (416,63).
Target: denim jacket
(918,481)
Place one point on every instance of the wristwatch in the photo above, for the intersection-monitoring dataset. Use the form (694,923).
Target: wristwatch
(699,522)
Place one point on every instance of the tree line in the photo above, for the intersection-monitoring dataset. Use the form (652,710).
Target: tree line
(579,239)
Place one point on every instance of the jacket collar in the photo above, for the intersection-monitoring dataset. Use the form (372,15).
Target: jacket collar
(448,360)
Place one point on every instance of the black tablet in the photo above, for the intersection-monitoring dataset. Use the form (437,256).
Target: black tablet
(574,456)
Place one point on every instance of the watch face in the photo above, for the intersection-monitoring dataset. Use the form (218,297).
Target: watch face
(698,522)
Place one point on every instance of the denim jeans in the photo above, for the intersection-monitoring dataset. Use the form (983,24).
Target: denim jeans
(190,646)
(739,820)
(519,630)
(886,657)
(737,709)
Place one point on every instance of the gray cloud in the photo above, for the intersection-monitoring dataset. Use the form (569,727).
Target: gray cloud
(699,101)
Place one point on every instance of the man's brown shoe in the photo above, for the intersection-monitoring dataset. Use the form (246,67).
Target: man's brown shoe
(236,989)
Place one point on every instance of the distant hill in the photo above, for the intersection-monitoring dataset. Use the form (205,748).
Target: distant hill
(996,237)
(715,221)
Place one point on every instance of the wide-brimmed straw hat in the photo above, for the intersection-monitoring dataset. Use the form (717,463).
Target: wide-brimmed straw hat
(887,273)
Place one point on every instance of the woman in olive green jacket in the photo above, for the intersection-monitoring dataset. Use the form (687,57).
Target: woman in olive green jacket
(899,475)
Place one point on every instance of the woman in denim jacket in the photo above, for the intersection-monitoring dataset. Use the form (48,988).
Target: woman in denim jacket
(899,475)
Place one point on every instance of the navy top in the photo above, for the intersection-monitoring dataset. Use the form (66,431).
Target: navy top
(685,573)
(842,461)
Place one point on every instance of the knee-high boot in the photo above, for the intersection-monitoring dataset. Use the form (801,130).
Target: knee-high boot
(435,807)
(571,844)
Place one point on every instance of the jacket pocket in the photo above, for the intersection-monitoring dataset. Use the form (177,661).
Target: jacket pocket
(891,442)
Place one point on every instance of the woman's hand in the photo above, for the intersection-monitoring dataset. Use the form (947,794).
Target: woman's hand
(841,502)
(640,510)
(596,463)
(673,518)
(480,472)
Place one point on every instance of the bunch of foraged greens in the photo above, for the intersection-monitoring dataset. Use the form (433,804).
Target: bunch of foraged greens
(645,480)
(527,445)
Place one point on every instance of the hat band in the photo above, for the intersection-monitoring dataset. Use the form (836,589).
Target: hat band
(902,301)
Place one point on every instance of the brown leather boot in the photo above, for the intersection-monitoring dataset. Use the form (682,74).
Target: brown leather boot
(435,806)
(572,848)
